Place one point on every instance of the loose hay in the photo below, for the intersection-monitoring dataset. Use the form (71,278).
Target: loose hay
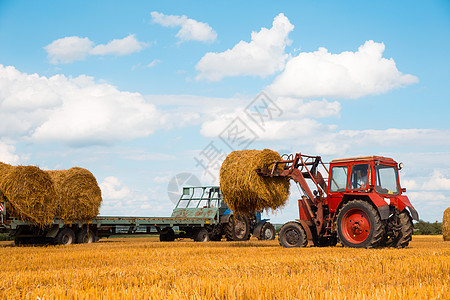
(29,193)
(246,191)
(446,225)
(78,194)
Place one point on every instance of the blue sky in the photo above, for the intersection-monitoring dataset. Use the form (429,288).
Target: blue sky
(134,91)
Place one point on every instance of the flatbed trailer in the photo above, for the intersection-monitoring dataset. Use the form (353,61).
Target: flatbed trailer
(200,214)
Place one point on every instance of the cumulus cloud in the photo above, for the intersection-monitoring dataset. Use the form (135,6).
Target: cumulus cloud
(437,182)
(68,49)
(284,118)
(77,111)
(72,48)
(123,46)
(263,56)
(191,30)
(7,153)
(344,75)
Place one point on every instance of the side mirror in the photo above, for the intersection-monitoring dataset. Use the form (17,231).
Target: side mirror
(400,166)
(403,190)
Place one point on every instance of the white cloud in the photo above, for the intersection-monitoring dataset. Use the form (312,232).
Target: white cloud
(153,63)
(344,75)
(263,56)
(191,30)
(72,48)
(289,119)
(76,111)
(123,46)
(437,182)
(68,49)
(7,154)
(112,188)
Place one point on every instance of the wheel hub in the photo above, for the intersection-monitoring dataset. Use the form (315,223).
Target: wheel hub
(356,226)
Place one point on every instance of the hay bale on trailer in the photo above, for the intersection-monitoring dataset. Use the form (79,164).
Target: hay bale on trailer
(246,191)
(78,194)
(446,224)
(29,193)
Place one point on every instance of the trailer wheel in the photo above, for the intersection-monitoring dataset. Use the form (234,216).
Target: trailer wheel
(267,232)
(405,235)
(237,228)
(359,225)
(85,236)
(292,235)
(201,235)
(167,235)
(65,236)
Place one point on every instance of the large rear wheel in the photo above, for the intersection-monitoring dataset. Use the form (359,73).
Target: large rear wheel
(292,235)
(359,225)
(237,228)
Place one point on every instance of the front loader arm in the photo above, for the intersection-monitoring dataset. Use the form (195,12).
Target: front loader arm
(299,169)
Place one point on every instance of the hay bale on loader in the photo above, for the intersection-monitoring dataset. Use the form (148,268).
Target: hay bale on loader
(446,224)
(246,191)
(78,194)
(29,193)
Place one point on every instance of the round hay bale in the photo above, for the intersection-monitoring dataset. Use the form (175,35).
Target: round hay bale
(29,194)
(446,224)
(78,194)
(246,191)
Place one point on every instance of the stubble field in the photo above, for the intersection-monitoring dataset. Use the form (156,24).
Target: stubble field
(144,268)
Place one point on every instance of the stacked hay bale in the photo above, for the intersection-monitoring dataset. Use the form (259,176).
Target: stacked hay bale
(446,225)
(246,191)
(29,193)
(78,194)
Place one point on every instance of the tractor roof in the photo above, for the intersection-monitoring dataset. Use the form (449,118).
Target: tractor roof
(363,158)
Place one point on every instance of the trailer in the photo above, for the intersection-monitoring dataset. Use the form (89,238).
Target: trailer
(200,214)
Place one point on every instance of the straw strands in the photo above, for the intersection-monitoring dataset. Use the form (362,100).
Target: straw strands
(29,193)
(246,191)
(40,196)
(79,196)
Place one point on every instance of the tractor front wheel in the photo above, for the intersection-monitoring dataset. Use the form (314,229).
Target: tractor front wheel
(359,225)
(405,234)
(292,235)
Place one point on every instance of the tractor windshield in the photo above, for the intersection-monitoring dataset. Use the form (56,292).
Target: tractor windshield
(386,180)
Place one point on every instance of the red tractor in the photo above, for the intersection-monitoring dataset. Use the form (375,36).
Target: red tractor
(359,202)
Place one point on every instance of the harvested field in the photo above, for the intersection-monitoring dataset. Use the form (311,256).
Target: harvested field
(29,193)
(78,194)
(143,268)
(244,190)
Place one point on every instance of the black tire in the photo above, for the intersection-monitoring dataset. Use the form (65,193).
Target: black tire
(359,225)
(65,236)
(202,235)
(326,241)
(292,235)
(267,232)
(20,241)
(405,235)
(85,236)
(167,235)
(237,228)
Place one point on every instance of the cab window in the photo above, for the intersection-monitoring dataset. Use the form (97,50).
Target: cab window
(358,178)
(338,179)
